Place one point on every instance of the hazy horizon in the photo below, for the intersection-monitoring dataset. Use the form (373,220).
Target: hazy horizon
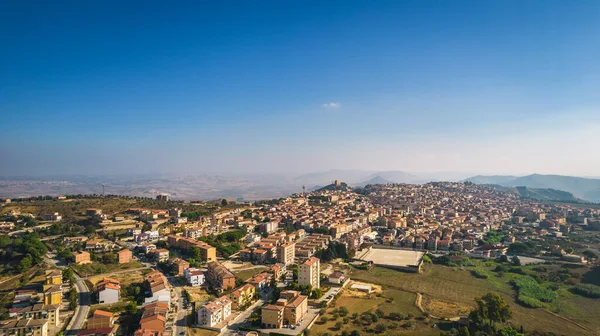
(493,88)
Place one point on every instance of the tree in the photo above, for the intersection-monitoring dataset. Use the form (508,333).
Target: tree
(339,325)
(343,311)
(109,258)
(518,248)
(516,261)
(25,264)
(224,202)
(464,331)
(491,308)
(131,307)
(355,333)
(379,312)
(590,254)
(195,253)
(68,274)
(73,295)
(380,327)
(508,331)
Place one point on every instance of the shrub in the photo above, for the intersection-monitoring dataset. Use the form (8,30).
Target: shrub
(379,328)
(517,270)
(530,302)
(587,290)
(529,289)
(479,273)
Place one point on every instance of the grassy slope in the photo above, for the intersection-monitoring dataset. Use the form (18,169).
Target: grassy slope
(459,286)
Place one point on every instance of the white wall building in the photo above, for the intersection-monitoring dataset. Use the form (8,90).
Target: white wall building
(194,276)
(214,312)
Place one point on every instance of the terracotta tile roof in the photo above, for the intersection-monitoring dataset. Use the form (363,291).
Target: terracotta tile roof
(102,313)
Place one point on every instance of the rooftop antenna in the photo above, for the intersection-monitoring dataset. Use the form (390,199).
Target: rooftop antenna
(102,189)
(304,191)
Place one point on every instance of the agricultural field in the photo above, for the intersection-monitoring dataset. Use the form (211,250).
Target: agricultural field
(96,268)
(198,295)
(248,273)
(448,290)
(200,332)
(125,278)
(390,310)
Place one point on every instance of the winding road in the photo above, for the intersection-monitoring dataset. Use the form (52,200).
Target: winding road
(82,310)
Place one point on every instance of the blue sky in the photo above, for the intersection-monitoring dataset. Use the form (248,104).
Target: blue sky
(236,86)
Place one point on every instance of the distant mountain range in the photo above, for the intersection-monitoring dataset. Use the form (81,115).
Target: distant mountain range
(358,177)
(583,188)
(375,180)
(273,185)
(539,194)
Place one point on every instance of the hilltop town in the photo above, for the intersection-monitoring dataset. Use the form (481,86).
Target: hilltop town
(380,259)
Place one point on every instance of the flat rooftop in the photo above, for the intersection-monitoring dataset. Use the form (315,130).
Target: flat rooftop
(391,257)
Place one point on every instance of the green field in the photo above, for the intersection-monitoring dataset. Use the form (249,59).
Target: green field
(96,268)
(248,273)
(447,290)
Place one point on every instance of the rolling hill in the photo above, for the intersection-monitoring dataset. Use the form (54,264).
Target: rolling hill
(582,188)
(375,180)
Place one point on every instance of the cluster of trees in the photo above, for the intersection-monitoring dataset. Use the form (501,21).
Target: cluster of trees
(226,243)
(335,250)
(134,292)
(308,290)
(28,249)
(491,310)
(587,290)
(493,237)
(527,248)
(194,215)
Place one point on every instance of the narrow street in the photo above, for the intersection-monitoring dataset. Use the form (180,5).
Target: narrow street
(82,310)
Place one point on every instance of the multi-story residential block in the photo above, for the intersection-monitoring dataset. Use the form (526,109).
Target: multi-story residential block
(52,294)
(180,265)
(39,311)
(160,255)
(81,257)
(194,276)
(53,277)
(207,253)
(309,273)
(219,276)
(124,256)
(286,253)
(29,327)
(242,296)
(154,318)
(290,309)
(108,290)
(214,312)
(100,320)
(157,285)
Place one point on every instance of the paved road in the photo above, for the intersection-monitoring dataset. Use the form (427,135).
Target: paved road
(29,229)
(180,326)
(82,310)
(232,328)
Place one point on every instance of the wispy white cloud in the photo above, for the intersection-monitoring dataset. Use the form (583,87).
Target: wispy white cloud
(332,105)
